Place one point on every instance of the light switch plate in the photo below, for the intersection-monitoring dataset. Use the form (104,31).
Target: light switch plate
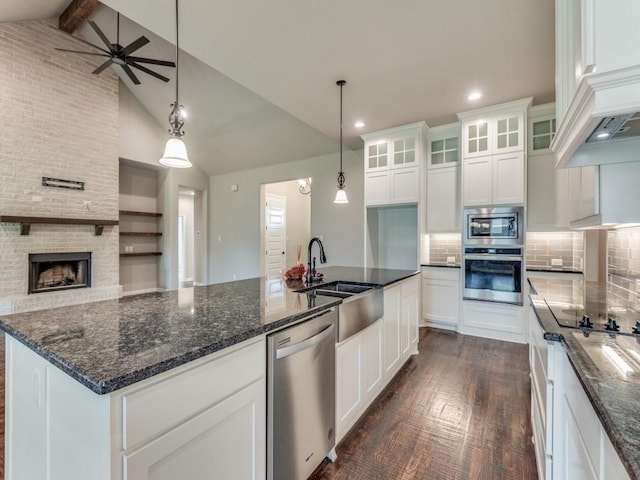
(556,262)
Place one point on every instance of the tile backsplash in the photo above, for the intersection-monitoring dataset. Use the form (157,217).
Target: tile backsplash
(543,247)
(443,245)
(623,257)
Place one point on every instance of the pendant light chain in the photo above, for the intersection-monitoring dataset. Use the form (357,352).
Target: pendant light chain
(175,151)
(177,52)
(341,174)
(341,195)
(176,118)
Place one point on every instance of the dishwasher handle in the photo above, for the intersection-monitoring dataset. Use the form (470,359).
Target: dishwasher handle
(306,343)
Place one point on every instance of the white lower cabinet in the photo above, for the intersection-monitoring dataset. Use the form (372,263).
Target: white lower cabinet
(441,297)
(409,317)
(391,330)
(569,440)
(367,361)
(222,439)
(358,376)
(493,320)
(206,416)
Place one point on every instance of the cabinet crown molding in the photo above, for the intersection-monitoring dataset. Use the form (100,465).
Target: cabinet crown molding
(521,104)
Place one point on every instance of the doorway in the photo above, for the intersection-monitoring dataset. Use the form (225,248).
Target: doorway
(187,234)
(286,224)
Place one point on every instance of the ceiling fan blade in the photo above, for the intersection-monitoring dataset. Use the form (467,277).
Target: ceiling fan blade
(130,73)
(103,67)
(83,53)
(135,45)
(165,63)
(85,42)
(146,70)
(102,36)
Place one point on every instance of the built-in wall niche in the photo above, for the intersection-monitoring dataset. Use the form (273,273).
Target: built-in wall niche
(393,237)
(59,271)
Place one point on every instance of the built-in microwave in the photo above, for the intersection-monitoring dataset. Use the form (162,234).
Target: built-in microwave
(494,226)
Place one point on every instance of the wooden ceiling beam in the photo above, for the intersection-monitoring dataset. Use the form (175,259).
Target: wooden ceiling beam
(76,13)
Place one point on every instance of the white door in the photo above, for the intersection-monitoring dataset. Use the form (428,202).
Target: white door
(275,234)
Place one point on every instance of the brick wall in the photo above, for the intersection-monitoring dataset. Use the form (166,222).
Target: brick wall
(60,121)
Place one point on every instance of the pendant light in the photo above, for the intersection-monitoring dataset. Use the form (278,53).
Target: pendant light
(341,195)
(175,152)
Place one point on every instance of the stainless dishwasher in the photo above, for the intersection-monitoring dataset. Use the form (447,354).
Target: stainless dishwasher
(301,397)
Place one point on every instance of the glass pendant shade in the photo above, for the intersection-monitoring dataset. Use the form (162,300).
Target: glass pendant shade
(341,196)
(175,154)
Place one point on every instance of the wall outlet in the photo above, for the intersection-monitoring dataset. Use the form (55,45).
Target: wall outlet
(36,198)
(86,203)
(556,262)
(451,259)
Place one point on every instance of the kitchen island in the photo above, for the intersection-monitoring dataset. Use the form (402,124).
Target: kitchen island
(114,388)
(602,385)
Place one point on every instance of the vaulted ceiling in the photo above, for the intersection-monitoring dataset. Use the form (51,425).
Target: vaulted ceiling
(258,78)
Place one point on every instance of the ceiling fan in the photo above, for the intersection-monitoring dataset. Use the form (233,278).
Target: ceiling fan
(119,55)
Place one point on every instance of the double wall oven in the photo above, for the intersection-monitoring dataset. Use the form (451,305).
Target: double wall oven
(492,257)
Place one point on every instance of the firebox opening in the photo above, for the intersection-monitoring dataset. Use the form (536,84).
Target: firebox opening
(59,271)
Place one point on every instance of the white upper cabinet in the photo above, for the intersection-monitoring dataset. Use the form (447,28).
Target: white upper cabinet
(443,179)
(547,194)
(377,156)
(494,133)
(597,72)
(541,129)
(393,163)
(493,165)
(477,141)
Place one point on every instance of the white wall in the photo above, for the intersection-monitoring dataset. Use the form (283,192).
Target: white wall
(169,183)
(60,121)
(142,138)
(186,210)
(235,216)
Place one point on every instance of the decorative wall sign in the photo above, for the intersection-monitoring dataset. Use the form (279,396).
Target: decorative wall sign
(60,183)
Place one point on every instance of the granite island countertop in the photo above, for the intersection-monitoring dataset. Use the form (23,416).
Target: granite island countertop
(614,396)
(111,344)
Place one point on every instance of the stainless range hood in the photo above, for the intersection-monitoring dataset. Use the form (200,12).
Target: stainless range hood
(616,127)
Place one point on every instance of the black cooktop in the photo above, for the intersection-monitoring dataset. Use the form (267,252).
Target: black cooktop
(596,317)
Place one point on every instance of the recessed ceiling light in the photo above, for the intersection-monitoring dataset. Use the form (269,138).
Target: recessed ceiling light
(474,96)
(359,124)
(603,135)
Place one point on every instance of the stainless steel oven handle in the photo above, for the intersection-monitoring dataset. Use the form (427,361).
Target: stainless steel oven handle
(492,256)
(306,343)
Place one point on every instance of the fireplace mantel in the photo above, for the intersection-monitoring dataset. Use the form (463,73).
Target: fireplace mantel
(25,222)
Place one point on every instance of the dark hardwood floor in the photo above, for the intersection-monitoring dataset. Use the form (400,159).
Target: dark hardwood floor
(458,410)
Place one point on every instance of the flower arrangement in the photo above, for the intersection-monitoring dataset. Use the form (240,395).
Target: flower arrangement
(297,271)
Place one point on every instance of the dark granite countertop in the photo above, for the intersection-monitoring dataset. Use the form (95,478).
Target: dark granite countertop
(614,396)
(441,264)
(111,344)
(541,268)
